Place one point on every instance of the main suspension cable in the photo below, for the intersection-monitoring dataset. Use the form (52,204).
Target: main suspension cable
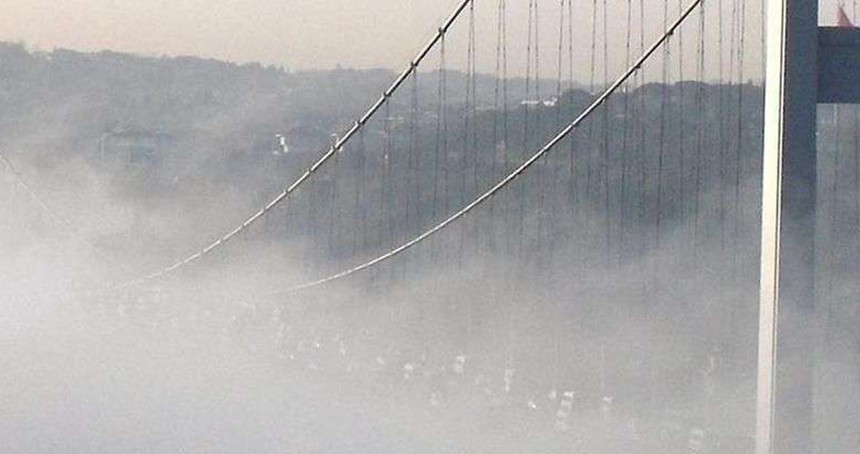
(55,216)
(333,150)
(549,146)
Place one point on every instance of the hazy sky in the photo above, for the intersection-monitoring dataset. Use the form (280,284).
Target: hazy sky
(305,34)
(300,33)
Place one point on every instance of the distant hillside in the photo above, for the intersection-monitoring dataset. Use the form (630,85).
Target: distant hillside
(186,128)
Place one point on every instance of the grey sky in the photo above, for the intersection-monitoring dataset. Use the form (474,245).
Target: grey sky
(311,34)
(301,33)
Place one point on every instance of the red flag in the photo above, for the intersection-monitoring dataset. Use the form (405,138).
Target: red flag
(842,19)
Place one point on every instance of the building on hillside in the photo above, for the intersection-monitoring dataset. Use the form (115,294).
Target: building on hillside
(134,147)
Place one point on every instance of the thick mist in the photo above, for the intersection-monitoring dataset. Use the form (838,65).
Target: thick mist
(206,361)
(584,317)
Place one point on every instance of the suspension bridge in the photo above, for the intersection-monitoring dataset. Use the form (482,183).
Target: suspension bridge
(587,256)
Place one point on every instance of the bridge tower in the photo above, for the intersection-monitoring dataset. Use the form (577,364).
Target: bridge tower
(806,65)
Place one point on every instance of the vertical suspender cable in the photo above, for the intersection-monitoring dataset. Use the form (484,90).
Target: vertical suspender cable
(363,195)
(333,213)
(477,162)
(736,56)
(445,152)
(388,209)
(558,315)
(417,177)
(309,216)
(573,186)
(440,101)
(855,110)
(310,227)
(558,163)
(700,136)
(832,245)
(721,138)
(763,39)
(589,171)
(662,149)
(625,165)
(521,215)
(468,157)
(542,170)
(643,150)
(592,88)
(496,120)
(722,147)
(467,152)
(856,145)
(738,209)
(733,34)
(473,80)
(417,172)
(465,127)
(607,212)
(359,236)
(384,171)
(559,62)
(682,207)
(413,182)
(508,200)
